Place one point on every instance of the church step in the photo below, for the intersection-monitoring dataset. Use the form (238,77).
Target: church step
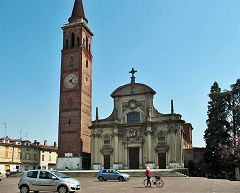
(132,173)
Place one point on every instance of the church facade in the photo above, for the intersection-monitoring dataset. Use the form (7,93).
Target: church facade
(136,135)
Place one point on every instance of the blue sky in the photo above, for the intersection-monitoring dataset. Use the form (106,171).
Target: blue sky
(179,48)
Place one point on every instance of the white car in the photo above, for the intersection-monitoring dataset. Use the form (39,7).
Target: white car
(47,180)
(1,176)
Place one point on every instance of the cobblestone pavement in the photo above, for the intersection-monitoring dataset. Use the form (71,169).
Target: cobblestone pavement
(135,185)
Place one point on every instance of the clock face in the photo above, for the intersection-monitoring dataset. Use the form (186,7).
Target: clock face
(70,81)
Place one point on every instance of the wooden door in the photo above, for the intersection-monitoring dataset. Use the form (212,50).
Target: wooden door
(162,160)
(134,158)
(106,161)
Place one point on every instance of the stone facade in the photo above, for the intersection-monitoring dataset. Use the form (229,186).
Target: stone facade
(136,135)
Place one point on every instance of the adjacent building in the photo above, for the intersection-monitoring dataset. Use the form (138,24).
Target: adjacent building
(21,155)
(10,155)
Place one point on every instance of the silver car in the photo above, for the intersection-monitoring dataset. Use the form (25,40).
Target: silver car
(51,181)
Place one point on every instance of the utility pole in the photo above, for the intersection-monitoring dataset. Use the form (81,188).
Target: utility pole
(5,131)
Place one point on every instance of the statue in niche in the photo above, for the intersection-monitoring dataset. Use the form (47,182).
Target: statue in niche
(133,135)
(149,110)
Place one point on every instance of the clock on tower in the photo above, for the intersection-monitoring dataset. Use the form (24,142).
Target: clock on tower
(75,110)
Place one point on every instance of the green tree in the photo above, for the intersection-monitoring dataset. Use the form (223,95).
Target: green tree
(217,132)
(232,99)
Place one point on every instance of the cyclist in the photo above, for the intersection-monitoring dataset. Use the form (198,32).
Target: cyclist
(148,175)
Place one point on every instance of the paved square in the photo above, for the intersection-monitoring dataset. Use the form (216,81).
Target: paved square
(135,185)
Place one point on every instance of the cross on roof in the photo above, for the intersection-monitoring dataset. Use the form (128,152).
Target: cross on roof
(133,77)
(132,72)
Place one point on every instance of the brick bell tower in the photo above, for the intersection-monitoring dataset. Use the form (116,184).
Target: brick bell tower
(75,111)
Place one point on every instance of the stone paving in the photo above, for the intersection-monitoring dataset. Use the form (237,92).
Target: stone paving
(135,185)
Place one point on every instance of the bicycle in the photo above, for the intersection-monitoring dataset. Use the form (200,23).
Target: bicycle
(156,181)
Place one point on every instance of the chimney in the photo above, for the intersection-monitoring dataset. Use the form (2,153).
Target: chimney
(55,144)
(45,142)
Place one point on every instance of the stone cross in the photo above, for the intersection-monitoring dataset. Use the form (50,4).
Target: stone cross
(133,77)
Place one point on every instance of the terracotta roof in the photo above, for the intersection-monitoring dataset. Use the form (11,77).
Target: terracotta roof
(45,147)
(77,12)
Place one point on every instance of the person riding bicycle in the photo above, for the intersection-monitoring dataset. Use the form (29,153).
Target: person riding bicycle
(148,175)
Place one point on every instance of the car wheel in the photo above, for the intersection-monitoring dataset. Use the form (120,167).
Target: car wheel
(24,189)
(100,178)
(36,191)
(121,178)
(62,189)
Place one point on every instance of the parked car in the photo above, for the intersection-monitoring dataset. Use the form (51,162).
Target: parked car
(7,173)
(1,176)
(45,180)
(109,174)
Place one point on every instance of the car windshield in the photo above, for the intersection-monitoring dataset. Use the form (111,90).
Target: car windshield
(60,175)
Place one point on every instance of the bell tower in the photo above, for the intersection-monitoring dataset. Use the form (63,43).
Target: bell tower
(75,108)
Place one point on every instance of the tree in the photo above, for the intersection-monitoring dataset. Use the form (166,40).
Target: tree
(217,132)
(232,99)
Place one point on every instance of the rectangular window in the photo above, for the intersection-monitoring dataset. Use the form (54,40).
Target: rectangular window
(6,152)
(27,156)
(35,156)
(32,174)
(42,157)
(161,139)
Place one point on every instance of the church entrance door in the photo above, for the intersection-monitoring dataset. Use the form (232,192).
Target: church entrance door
(106,161)
(162,160)
(134,158)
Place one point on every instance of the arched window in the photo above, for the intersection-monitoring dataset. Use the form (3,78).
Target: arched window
(133,117)
(72,40)
(87,63)
(78,41)
(161,138)
(66,44)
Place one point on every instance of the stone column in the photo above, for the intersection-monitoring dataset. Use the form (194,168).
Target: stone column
(116,145)
(92,150)
(181,147)
(140,158)
(149,145)
(173,147)
(126,156)
(96,148)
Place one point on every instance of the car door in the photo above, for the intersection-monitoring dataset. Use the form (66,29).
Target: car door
(31,178)
(112,175)
(45,181)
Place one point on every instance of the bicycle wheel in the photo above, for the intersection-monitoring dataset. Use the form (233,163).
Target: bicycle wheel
(159,183)
(145,183)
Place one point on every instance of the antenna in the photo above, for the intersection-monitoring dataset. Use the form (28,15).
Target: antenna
(21,134)
(5,131)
